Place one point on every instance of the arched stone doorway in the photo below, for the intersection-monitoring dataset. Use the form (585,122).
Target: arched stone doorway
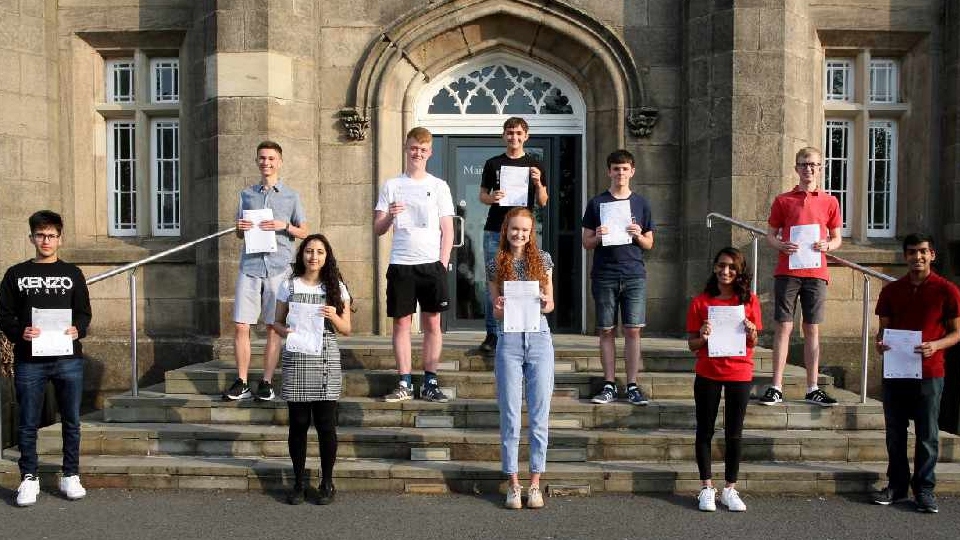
(434,39)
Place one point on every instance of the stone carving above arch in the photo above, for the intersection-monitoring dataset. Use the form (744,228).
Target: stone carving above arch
(435,36)
(499,88)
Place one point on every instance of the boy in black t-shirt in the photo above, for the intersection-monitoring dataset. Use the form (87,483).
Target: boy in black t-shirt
(515,134)
(36,299)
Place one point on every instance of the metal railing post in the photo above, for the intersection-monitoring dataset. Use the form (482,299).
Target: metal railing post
(756,264)
(134,371)
(865,338)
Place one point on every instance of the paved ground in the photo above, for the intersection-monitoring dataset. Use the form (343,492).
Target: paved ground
(120,514)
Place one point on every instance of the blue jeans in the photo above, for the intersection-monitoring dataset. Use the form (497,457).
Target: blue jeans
(491,243)
(628,295)
(919,400)
(524,358)
(30,381)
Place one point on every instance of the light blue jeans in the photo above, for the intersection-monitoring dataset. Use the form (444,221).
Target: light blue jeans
(524,362)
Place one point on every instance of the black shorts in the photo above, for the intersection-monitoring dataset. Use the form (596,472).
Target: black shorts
(408,284)
(811,291)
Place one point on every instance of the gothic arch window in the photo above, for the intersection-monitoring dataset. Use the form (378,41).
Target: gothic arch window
(484,91)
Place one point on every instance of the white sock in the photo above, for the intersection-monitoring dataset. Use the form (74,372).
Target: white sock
(813,388)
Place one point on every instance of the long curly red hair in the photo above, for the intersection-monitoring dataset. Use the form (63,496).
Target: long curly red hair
(531,253)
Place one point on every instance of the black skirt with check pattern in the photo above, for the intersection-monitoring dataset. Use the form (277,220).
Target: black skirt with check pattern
(308,377)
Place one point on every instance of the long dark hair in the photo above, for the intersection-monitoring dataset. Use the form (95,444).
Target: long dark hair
(741,284)
(330,275)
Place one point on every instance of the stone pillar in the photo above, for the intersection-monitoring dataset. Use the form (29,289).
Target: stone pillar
(950,165)
(259,66)
(29,139)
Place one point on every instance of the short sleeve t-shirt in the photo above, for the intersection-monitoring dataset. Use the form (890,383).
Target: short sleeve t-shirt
(420,242)
(286,206)
(723,368)
(800,207)
(925,307)
(618,261)
(490,181)
(283,294)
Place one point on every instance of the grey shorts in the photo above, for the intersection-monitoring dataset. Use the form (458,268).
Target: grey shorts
(812,293)
(256,296)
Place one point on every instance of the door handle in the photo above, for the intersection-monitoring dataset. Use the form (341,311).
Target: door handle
(463,224)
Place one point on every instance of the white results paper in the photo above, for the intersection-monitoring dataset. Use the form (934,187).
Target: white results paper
(515,182)
(902,361)
(53,339)
(728,335)
(414,198)
(257,240)
(805,257)
(521,306)
(306,321)
(616,217)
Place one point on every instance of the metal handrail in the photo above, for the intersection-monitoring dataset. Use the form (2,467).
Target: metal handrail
(865,272)
(132,268)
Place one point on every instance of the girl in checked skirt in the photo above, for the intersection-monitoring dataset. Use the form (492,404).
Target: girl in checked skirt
(313,305)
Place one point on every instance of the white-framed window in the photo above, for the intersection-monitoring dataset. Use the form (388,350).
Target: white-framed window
(165,176)
(836,167)
(122,176)
(882,179)
(860,142)
(839,80)
(884,79)
(165,80)
(120,81)
(142,116)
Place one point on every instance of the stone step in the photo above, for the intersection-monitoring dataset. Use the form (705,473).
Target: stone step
(402,476)
(642,445)
(153,406)
(460,353)
(214,377)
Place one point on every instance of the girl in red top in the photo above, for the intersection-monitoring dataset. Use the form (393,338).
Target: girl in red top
(729,285)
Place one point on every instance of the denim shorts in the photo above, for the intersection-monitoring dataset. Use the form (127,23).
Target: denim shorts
(629,294)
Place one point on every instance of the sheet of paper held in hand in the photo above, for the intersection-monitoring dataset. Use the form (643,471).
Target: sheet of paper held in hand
(805,257)
(521,306)
(902,361)
(257,240)
(414,198)
(728,335)
(515,182)
(616,216)
(307,323)
(53,339)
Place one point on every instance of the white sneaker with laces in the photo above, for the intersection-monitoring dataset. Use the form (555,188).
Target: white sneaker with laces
(731,499)
(71,488)
(534,497)
(28,490)
(707,499)
(514,493)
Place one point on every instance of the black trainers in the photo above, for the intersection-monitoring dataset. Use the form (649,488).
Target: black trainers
(239,390)
(296,495)
(819,397)
(636,397)
(888,496)
(402,393)
(432,392)
(326,493)
(489,344)
(608,394)
(264,391)
(771,397)
(926,502)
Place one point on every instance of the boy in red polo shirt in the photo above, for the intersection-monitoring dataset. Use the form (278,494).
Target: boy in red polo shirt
(921,301)
(805,205)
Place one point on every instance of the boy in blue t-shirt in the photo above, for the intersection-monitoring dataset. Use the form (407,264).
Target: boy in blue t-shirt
(618,279)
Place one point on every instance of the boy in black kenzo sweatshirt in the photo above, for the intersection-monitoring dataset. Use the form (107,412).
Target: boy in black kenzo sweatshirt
(46,282)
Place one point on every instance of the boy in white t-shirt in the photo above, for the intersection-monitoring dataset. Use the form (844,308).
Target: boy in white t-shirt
(419,209)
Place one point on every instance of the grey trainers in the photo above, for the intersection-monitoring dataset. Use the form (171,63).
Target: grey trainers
(926,502)
(607,395)
(401,393)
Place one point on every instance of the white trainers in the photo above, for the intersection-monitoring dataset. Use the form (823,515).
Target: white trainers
(731,499)
(28,490)
(513,497)
(71,488)
(707,499)
(534,497)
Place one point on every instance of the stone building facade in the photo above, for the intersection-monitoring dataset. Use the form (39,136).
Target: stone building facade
(137,119)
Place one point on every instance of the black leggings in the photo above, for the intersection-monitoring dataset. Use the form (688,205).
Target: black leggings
(706,395)
(324,415)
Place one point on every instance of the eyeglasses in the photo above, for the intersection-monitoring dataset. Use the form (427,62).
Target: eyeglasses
(809,165)
(40,237)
